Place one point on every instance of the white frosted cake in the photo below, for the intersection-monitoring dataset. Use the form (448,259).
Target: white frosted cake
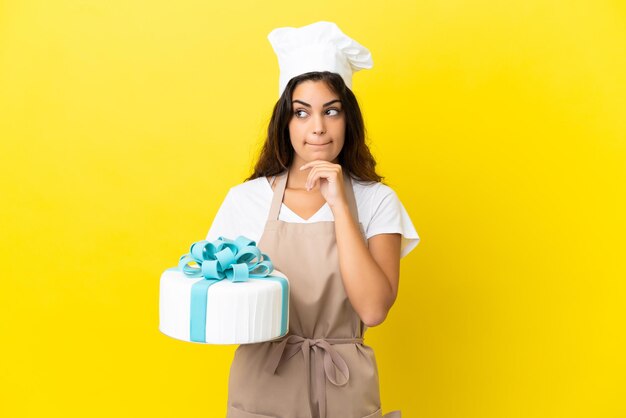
(232,309)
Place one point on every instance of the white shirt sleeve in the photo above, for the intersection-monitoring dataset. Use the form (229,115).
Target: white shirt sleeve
(389,216)
(226,222)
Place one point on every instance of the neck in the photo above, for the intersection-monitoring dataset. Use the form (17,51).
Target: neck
(297,178)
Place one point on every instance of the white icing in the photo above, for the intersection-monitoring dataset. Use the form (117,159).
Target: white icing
(237,313)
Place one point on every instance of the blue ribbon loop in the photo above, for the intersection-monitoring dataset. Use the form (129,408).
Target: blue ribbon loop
(225,259)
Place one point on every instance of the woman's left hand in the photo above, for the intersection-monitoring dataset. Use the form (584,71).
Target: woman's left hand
(329,176)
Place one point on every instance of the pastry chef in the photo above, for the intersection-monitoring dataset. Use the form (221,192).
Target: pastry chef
(316,205)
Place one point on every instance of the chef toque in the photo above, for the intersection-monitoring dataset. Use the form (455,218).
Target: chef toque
(320,46)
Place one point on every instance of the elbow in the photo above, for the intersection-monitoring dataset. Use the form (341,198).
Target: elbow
(371,319)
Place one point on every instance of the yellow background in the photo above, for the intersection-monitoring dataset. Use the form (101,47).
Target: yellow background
(500,124)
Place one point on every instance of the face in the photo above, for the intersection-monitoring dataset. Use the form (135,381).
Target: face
(318,124)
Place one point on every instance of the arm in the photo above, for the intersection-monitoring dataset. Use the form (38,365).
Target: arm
(370,275)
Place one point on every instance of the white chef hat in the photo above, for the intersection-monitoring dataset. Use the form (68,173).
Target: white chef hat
(320,46)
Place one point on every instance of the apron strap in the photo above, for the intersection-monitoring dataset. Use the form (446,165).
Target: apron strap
(347,186)
(279,192)
(277,199)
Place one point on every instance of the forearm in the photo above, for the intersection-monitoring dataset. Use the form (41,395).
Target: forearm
(366,285)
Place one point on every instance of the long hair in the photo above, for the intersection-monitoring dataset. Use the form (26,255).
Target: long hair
(277,152)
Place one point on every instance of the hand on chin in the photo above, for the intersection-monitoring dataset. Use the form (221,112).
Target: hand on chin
(328,176)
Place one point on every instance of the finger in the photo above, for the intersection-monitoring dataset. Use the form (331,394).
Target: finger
(311,180)
(317,173)
(332,170)
(314,175)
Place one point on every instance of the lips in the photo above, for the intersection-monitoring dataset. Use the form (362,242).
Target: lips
(317,145)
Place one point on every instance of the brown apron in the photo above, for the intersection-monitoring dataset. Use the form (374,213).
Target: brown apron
(321,368)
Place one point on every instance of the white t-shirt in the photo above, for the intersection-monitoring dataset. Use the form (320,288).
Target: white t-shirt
(246,208)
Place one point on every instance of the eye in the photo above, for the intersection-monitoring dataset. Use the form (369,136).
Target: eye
(301,113)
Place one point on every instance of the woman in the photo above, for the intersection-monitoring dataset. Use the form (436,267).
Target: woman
(316,206)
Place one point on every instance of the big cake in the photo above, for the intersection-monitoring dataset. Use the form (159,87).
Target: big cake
(224,292)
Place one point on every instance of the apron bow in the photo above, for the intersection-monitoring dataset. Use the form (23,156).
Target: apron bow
(327,362)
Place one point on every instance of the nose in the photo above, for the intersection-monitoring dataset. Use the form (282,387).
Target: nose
(318,125)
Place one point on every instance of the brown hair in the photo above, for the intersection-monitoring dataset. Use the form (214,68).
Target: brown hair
(277,152)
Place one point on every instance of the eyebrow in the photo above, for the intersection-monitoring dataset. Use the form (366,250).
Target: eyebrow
(308,105)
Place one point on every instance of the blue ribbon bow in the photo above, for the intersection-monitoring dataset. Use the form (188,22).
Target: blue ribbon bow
(224,259)
(236,260)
